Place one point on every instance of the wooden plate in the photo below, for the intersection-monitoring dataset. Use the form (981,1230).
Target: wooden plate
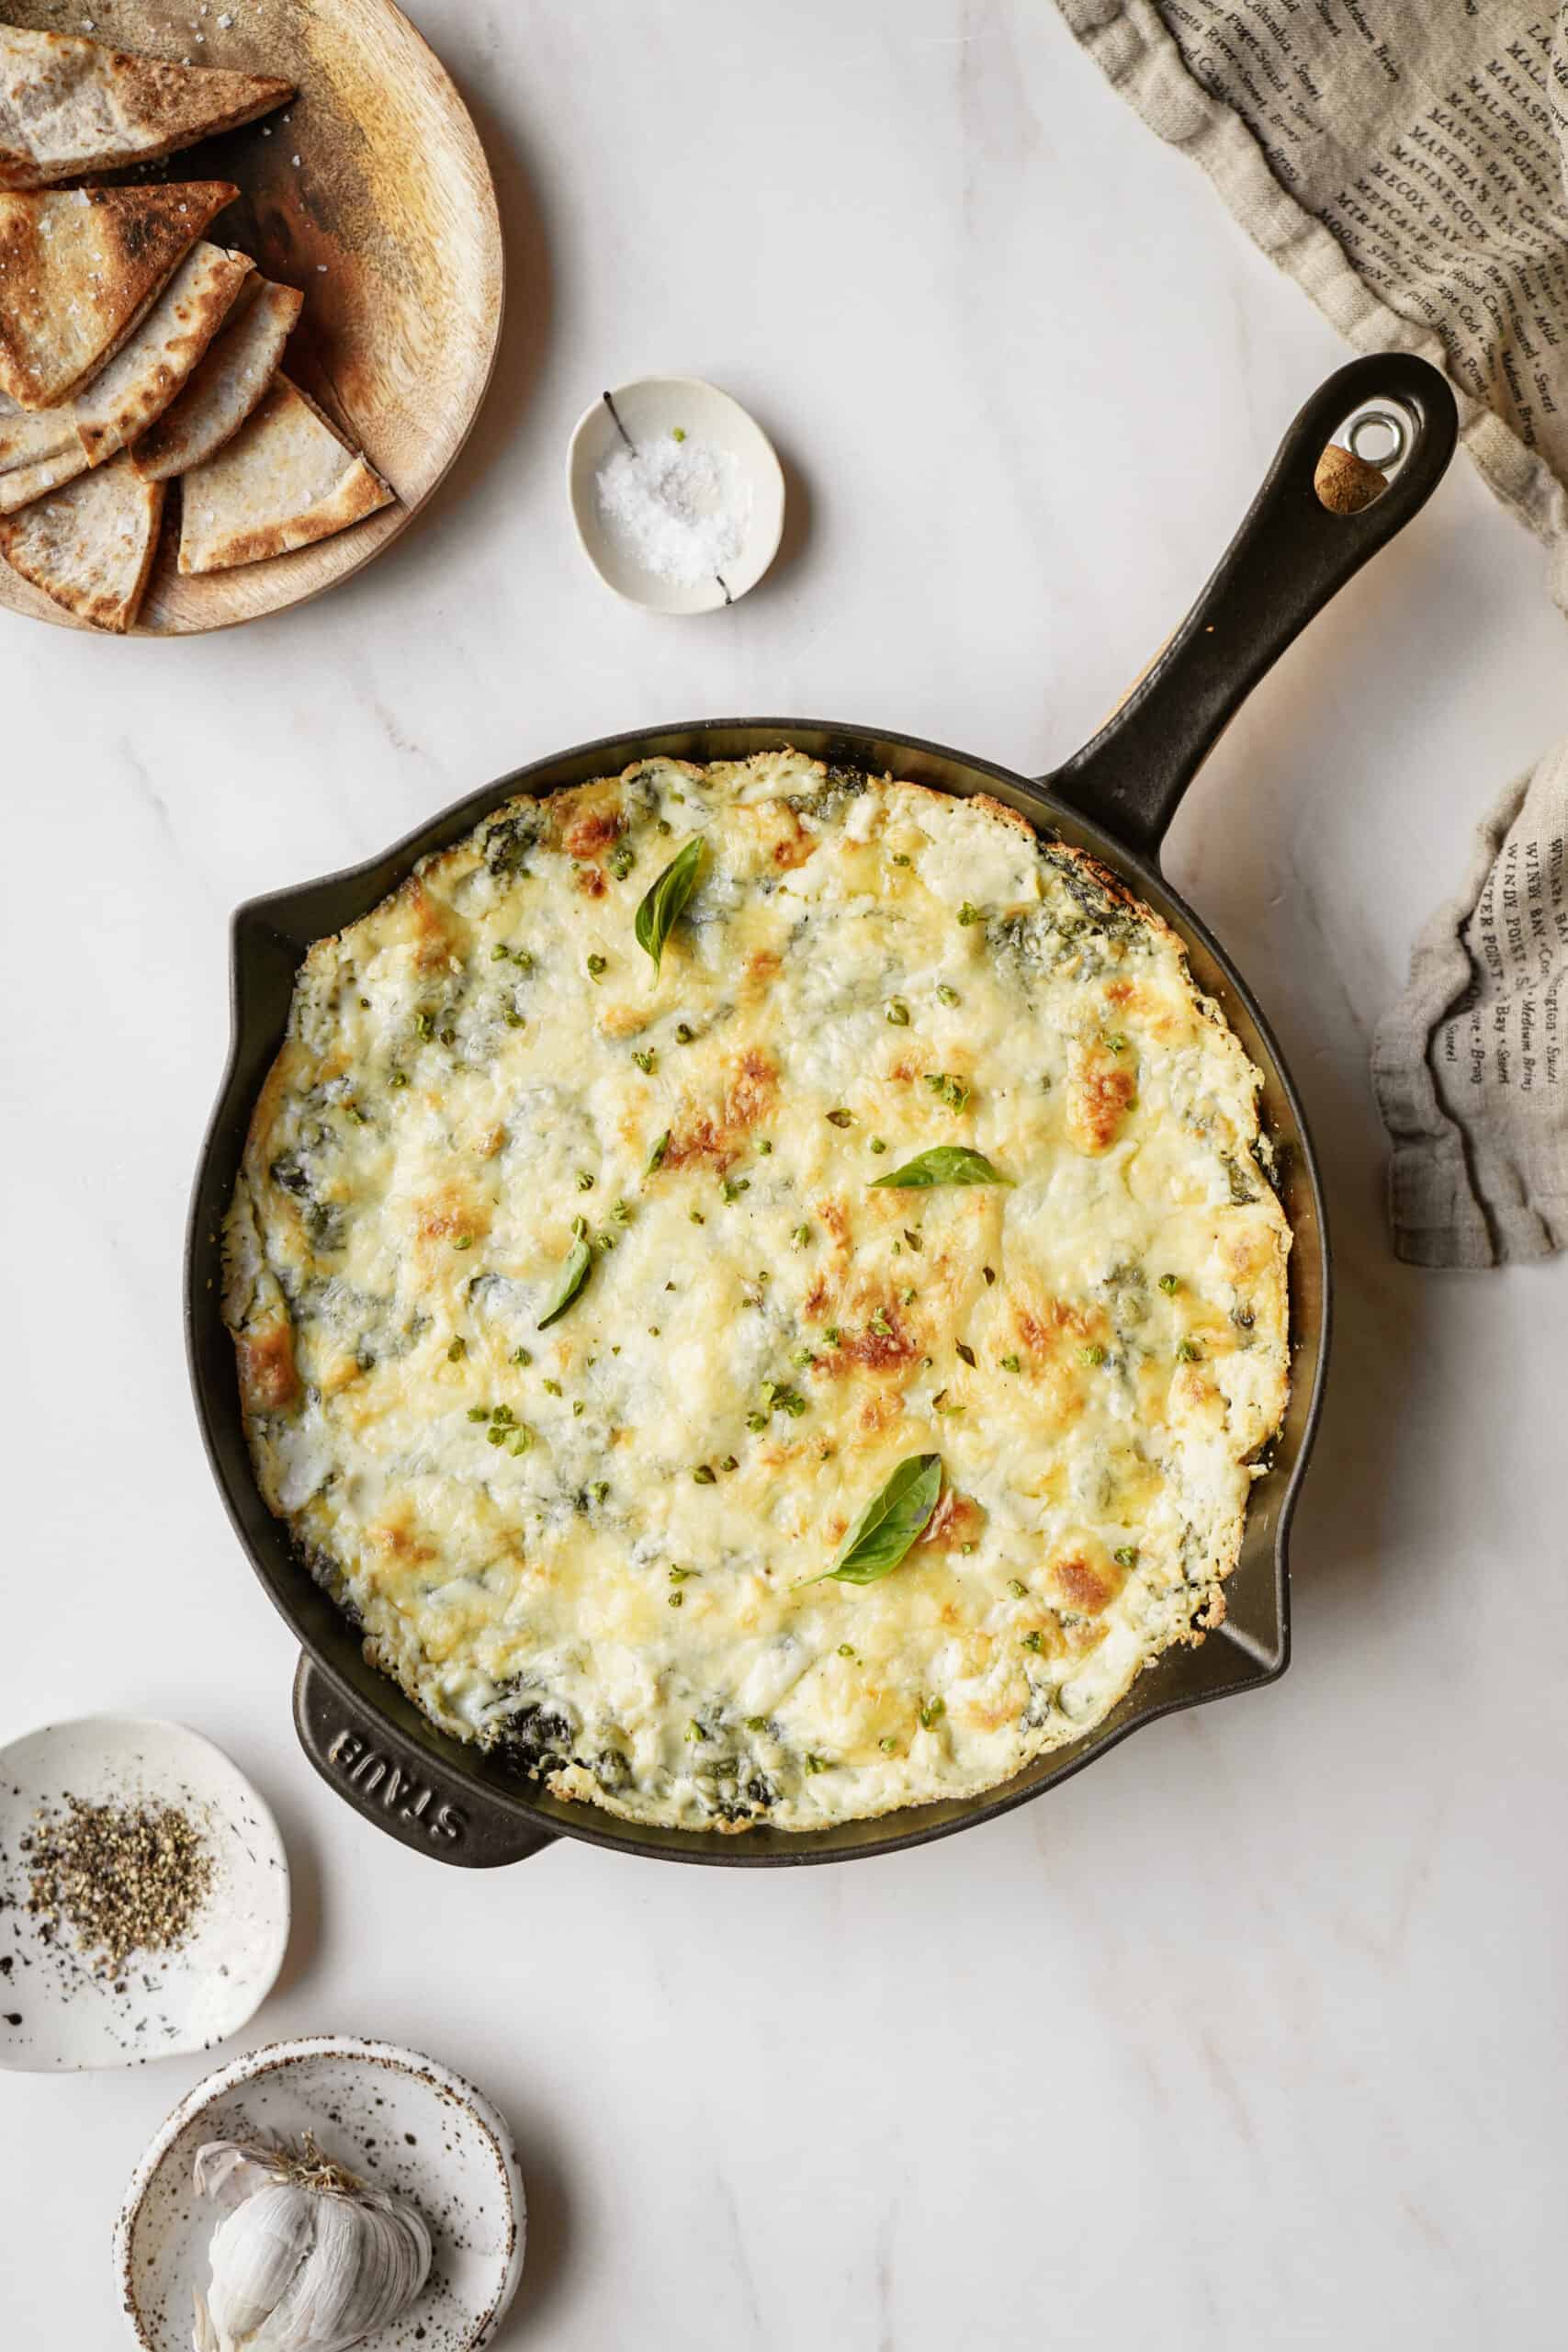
(372,195)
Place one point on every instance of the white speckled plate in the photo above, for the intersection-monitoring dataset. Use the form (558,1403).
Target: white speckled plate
(649,410)
(55,2013)
(400,2121)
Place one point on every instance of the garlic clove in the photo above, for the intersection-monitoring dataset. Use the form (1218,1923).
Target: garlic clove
(257,2251)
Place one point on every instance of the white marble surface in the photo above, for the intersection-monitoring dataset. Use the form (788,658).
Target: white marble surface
(1254,2034)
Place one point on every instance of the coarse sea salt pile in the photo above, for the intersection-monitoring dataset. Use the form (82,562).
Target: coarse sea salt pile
(679,507)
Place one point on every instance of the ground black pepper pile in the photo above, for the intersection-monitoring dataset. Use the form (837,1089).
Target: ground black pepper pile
(121,1878)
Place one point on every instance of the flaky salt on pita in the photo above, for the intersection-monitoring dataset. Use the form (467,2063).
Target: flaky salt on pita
(38,451)
(149,369)
(80,269)
(240,364)
(69,107)
(287,478)
(90,546)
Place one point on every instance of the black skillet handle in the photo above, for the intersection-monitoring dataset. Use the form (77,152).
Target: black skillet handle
(397,1788)
(1291,555)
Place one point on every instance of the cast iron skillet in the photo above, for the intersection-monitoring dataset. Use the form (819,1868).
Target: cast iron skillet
(1116,798)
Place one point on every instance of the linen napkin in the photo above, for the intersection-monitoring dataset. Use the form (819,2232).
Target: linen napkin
(1406,164)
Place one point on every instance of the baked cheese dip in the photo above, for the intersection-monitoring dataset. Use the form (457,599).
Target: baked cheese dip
(757,1288)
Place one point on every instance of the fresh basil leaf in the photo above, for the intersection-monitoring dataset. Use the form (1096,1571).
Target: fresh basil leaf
(945,1163)
(889,1524)
(660,909)
(573,1274)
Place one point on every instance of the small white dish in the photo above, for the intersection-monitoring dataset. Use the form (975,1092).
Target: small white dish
(400,2120)
(651,409)
(56,2015)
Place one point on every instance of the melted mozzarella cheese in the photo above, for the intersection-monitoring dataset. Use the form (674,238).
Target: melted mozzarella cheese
(592,1546)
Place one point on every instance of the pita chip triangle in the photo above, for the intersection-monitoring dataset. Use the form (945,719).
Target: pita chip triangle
(146,373)
(80,268)
(239,364)
(68,107)
(286,479)
(90,546)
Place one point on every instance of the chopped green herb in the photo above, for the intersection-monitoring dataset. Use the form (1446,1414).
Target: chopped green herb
(704,1477)
(899,858)
(584,1180)
(897,1012)
(1125,1556)
(645,1062)
(504,1414)
(846,1649)
(579,1228)
(801,1236)
(1011,1364)
(907,1295)
(552,1387)
(880,1326)
(840,1118)
(801,1358)
(729,1462)
(966,1353)
(479,1412)
(457,1352)
(521,1439)
(946,995)
(968,914)
(578,1408)
(462,1241)
(756,1423)
(756,1722)
(660,909)
(1092,1354)
(496,1436)
(1188,1350)
(399,1078)
(763,1147)
(814,1763)
(931,1713)
(682,1576)
(677,433)
(597,966)
(695,1730)
(685,1033)
(1170,1284)
(1017,1587)
(676,1599)
(656,1156)
(951,1090)
(520,1355)
(599,1490)
(912,1237)
(1117,1043)
(733,1186)
(622,860)
(1030,1642)
(877,1145)
(832,1334)
(888,1747)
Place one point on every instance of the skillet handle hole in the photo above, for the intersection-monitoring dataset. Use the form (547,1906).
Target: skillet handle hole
(1359,462)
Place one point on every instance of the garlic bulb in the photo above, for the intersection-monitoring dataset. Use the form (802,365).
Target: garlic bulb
(306,2258)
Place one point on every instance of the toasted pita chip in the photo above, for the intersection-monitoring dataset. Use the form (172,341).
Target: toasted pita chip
(240,364)
(69,107)
(286,479)
(144,375)
(38,450)
(91,545)
(80,269)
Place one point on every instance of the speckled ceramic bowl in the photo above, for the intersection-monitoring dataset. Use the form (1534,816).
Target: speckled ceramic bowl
(56,2013)
(400,2120)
